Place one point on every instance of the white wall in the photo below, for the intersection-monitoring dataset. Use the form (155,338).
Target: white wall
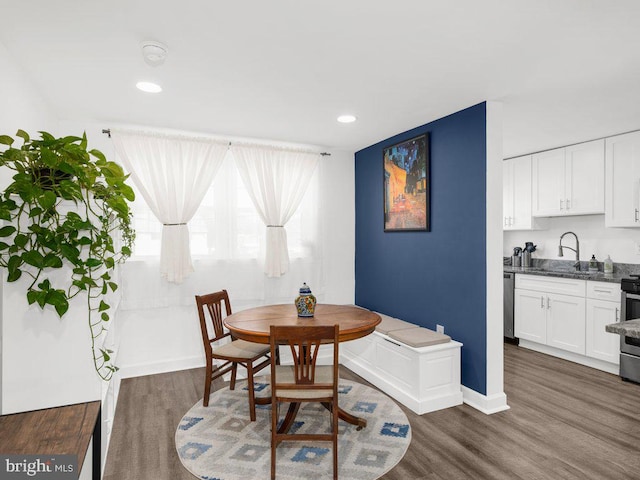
(594,238)
(495,399)
(21,107)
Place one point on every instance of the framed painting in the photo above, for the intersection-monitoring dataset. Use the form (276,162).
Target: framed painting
(406,185)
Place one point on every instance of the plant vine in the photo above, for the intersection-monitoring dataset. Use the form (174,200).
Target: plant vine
(66,206)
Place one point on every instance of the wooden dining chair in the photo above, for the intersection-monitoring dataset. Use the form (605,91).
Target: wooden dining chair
(234,353)
(303,381)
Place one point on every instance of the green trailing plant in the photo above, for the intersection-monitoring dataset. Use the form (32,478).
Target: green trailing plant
(67,206)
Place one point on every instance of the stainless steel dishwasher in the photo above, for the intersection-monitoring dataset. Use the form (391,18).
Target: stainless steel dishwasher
(509,285)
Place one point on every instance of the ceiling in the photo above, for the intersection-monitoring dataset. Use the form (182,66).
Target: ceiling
(565,70)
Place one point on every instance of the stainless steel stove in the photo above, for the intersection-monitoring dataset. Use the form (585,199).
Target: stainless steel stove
(629,346)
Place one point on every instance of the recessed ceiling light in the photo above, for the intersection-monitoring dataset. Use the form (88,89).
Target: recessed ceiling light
(149,87)
(346,118)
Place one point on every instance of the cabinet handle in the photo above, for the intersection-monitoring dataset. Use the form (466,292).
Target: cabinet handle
(568,204)
(560,204)
(636,214)
(617,312)
(541,302)
(510,221)
(601,291)
(548,303)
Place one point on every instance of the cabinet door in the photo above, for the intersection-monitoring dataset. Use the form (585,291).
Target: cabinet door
(507,194)
(530,316)
(521,193)
(584,178)
(601,344)
(548,172)
(622,172)
(566,322)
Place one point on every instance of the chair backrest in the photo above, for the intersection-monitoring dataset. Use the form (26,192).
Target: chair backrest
(211,316)
(304,343)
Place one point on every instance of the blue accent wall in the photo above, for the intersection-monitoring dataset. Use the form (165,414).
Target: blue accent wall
(435,277)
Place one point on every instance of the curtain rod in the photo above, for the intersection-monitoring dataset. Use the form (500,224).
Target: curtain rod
(107,131)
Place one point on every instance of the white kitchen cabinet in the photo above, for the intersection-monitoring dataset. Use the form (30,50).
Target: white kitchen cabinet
(551,319)
(603,308)
(622,167)
(599,343)
(530,315)
(548,183)
(516,177)
(568,315)
(569,180)
(565,322)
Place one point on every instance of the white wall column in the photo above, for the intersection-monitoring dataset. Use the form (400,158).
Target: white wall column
(496,400)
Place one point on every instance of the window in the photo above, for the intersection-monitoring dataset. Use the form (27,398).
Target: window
(227,226)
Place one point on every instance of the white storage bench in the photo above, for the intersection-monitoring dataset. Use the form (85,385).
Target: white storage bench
(417,366)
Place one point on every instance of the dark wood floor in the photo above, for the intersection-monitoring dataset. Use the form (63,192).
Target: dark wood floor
(566,422)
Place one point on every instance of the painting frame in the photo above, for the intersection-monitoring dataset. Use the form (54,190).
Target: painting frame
(406,185)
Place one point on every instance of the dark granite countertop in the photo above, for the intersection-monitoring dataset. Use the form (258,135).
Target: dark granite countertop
(564,269)
(594,277)
(630,328)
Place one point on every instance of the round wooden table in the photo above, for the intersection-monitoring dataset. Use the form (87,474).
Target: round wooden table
(253,325)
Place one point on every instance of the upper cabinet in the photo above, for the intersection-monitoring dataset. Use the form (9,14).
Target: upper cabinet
(622,180)
(516,195)
(568,181)
(516,175)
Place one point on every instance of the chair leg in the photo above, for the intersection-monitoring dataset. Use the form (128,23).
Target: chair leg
(334,415)
(234,371)
(207,384)
(274,445)
(252,398)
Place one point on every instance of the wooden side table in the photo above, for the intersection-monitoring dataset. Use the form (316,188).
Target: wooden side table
(63,430)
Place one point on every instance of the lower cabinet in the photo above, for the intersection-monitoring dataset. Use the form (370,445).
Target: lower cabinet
(565,322)
(568,314)
(604,346)
(551,319)
(530,315)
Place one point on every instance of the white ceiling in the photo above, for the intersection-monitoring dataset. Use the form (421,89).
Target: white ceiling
(566,70)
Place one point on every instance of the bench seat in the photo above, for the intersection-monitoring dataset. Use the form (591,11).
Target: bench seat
(416,366)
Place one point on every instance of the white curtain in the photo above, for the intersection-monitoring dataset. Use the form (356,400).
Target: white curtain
(276,180)
(173,174)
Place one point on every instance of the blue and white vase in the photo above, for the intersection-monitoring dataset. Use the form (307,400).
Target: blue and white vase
(305,302)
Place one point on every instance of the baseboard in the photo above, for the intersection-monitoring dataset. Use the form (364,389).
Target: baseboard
(152,368)
(486,404)
(572,357)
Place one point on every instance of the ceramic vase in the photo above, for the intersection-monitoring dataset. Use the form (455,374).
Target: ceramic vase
(305,302)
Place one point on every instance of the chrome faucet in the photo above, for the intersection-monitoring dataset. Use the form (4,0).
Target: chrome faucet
(577,249)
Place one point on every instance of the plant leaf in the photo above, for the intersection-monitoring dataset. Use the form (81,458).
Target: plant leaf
(7,230)
(6,140)
(22,134)
(58,299)
(34,258)
(20,240)
(103,306)
(47,200)
(13,276)
(52,261)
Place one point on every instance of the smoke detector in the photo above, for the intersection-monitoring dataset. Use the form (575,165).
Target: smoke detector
(154,53)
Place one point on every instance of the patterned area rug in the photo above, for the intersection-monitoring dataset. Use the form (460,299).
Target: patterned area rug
(219,442)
